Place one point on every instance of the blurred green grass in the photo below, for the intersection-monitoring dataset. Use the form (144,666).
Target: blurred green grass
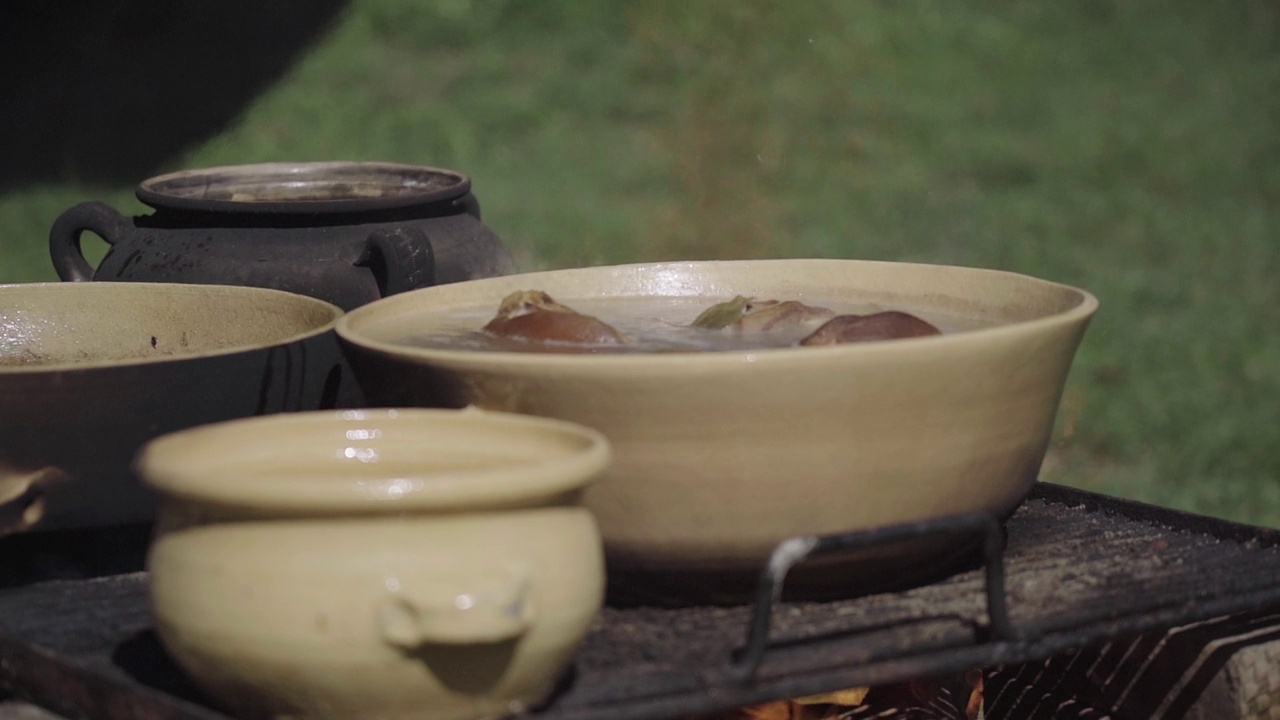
(1130,148)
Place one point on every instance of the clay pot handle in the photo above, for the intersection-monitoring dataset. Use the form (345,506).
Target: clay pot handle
(401,259)
(452,613)
(22,501)
(469,205)
(64,237)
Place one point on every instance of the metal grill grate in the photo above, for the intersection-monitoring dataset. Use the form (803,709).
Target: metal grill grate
(1079,570)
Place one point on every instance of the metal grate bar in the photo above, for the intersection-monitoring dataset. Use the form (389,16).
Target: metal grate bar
(793,551)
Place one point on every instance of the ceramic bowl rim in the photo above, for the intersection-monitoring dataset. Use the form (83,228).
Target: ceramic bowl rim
(164,465)
(349,332)
(269,294)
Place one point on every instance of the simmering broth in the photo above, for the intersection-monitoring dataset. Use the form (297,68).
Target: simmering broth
(650,325)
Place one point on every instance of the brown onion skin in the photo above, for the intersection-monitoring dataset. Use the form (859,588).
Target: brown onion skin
(890,325)
(555,326)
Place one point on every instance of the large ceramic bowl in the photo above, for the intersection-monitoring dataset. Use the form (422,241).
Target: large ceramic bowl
(721,455)
(89,372)
(375,564)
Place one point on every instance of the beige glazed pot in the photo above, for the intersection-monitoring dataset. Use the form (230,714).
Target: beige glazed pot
(375,564)
(719,456)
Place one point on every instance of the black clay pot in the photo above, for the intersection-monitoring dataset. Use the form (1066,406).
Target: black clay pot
(345,232)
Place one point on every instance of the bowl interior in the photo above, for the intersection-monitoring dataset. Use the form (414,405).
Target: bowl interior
(55,326)
(960,301)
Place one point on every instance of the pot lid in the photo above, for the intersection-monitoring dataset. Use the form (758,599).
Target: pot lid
(309,187)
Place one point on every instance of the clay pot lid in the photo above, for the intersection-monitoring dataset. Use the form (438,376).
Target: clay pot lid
(306,187)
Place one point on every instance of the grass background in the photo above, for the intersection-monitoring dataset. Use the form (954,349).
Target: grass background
(1131,147)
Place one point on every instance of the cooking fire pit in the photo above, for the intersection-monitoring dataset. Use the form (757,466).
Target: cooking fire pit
(1082,603)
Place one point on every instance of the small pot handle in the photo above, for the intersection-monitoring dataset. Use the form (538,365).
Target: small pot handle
(469,205)
(64,237)
(457,612)
(22,501)
(401,259)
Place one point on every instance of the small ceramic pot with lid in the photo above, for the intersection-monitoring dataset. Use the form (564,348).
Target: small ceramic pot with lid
(375,563)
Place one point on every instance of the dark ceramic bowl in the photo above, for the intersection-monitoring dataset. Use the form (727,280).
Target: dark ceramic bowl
(91,371)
